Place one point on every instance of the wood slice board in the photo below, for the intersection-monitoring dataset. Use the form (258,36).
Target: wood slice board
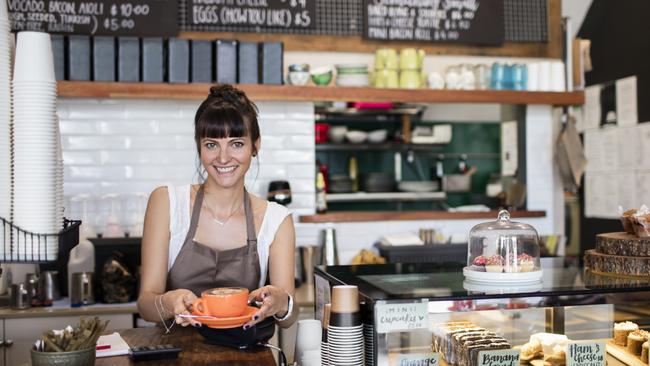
(617,264)
(622,243)
(623,355)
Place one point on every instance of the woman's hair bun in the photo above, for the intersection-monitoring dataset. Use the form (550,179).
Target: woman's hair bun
(227,93)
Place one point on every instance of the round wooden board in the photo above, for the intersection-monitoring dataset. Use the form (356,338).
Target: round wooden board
(624,244)
(617,265)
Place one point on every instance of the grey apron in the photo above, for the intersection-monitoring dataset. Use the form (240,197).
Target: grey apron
(199,267)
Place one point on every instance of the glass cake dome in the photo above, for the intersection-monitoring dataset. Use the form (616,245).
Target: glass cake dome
(503,251)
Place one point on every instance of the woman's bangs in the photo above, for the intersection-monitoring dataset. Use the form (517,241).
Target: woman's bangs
(221,123)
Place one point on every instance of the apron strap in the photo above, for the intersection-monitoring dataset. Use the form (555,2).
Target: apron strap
(196,212)
(251,237)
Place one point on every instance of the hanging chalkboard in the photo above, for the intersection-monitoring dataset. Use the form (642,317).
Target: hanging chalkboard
(95,17)
(458,21)
(256,14)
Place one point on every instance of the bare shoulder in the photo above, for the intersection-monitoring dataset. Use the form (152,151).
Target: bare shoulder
(259,204)
(159,195)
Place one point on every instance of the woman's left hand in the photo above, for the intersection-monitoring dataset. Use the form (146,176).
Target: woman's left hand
(275,301)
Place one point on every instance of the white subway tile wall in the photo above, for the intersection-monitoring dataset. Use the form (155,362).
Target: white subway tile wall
(129,147)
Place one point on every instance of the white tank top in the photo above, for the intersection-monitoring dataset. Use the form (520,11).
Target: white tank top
(179,224)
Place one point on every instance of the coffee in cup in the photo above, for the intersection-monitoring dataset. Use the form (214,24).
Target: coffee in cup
(222,302)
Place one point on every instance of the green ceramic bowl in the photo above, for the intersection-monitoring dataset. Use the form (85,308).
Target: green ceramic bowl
(322,76)
(84,357)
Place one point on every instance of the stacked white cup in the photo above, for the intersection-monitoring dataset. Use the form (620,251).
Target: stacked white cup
(308,339)
(558,76)
(5,125)
(38,182)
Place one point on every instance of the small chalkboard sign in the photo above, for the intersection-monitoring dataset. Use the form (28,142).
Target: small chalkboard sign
(258,14)
(400,317)
(585,354)
(95,17)
(458,21)
(415,359)
(500,357)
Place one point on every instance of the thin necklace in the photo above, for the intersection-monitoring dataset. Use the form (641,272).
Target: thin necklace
(214,217)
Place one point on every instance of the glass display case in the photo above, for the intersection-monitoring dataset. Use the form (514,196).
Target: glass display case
(427,309)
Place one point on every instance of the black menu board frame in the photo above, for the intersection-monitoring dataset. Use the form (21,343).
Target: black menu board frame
(254,14)
(475,22)
(95,17)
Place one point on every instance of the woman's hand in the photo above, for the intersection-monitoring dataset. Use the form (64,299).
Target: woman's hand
(275,301)
(180,302)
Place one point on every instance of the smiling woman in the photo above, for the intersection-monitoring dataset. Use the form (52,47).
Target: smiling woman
(216,234)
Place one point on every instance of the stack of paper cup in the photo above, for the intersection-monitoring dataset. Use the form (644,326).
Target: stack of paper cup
(324,346)
(37,176)
(345,330)
(369,337)
(5,125)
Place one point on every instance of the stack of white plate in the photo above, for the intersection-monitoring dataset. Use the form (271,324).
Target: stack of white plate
(5,123)
(37,167)
(352,75)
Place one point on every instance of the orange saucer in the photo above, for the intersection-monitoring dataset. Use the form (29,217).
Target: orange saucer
(231,322)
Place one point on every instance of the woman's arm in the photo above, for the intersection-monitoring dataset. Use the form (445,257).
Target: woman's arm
(154,304)
(275,297)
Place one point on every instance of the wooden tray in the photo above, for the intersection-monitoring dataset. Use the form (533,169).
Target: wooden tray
(623,355)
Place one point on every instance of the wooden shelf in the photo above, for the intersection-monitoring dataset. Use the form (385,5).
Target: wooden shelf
(92,89)
(386,196)
(411,215)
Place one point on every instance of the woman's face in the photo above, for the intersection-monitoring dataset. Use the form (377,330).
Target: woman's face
(227,159)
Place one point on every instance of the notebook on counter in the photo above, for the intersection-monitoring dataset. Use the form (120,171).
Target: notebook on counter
(112,345)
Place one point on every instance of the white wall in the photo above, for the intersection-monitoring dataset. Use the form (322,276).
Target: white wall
(576,10)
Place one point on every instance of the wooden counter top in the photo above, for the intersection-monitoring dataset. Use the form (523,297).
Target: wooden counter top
(195,351)
(359,216)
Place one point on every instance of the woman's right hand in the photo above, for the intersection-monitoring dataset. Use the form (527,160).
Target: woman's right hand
(180,302)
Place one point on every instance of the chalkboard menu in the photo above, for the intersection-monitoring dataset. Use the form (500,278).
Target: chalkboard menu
(95,17)
(458,21)
(257,14)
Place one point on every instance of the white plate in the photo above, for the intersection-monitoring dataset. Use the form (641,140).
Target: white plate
(492,278)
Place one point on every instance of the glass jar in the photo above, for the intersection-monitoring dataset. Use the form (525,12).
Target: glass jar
(504,247)
(452,78)
(482,76)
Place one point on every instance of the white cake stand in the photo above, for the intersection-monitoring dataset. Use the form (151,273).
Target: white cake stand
(498,279)
(501,289)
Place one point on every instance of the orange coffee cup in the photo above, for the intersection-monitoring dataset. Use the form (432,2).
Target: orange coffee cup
(222,302)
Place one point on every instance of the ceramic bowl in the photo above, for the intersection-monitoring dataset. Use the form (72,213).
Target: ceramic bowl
(298,77)
(337,134)
(377,136)
(321,76)
(356,137)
